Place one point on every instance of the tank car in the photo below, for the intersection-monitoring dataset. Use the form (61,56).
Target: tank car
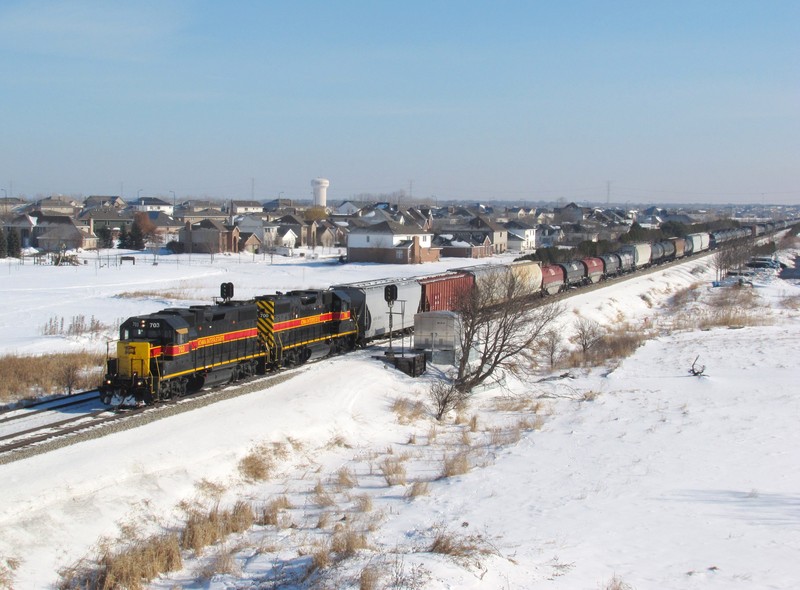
(552,279)
(611,264)
(574,273)
(593,269)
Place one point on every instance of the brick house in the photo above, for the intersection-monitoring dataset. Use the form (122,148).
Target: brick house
(390,242)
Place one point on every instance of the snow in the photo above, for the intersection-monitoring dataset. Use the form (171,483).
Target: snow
(638,471)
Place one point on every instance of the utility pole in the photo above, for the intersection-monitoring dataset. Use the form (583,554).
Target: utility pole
(608,192)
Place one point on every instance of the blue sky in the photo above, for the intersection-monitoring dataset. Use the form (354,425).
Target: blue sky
(680,101)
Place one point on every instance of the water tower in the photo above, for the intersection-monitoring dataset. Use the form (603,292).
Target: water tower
(320,191)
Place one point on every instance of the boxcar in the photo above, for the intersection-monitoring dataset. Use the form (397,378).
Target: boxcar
(441,292)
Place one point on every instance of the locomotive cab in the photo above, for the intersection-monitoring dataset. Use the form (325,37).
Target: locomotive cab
(136,371)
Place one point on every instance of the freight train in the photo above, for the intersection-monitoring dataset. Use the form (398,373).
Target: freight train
(176,351)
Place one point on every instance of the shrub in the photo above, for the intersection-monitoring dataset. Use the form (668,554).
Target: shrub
(323,497)
(256,465)
(134,565)
(419,488)
(271,513)
(345,541)
(393,470)
(457,464)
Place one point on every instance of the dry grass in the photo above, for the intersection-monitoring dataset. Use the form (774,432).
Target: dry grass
(132,566)
(338,441)
(256,465)
(29,377)
(418,488)
(616,583)
(222,562)
(619,343)
(453,465)
(346,479)
(7,568)
(501,437)
(322,497)
(460,547)
(791,302)
(207,528)
(321,555)
(346,541)
(394,472)
(323,520)
(362,503)
(408,410)
(683,297)
(369,579)
(175,294)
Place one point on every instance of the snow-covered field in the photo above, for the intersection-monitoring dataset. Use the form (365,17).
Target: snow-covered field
(643,474)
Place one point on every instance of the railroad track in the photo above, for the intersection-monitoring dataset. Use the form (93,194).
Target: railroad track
(49,405)
(18,443)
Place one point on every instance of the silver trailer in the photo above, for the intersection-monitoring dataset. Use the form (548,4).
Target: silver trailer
(375,320)
(700,242)
(642,253)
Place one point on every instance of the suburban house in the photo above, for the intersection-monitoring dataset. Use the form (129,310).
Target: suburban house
(521,235)
(167,229)
(101,201)
(390,242)
(148,204)
(249,242)
(66,236)
(246,207)
(55,206)
(463,245)
(548,236)
(570,213)
(209,236)
(109,217)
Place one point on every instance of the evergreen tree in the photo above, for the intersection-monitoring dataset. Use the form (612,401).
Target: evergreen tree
(124,238)
(105,237)
(3,244)
(136,237)
(14,247)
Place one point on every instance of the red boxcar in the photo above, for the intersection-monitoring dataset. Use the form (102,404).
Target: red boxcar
(440,292)
(552,278)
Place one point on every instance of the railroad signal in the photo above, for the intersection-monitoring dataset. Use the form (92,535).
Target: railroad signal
(390,293)
(226,290)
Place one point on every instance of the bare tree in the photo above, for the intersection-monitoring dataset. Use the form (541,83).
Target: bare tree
(586,333)
(70,376)
(730,256)
(499,329)
(445,397)
(551,347)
